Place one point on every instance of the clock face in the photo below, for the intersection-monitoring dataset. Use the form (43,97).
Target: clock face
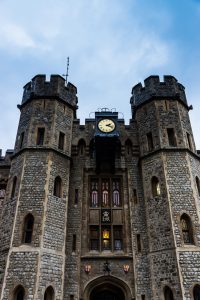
(106,125)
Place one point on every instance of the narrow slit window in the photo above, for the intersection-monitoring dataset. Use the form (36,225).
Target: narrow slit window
(76,197)
(198,185)
(139,243)
(61,141)
(14,187)
(128,148)
(135,199)
(171,137)
(74,243)
(40,136)
(57,187)
(143,297)
(150,141)
(189,141)
(28,229)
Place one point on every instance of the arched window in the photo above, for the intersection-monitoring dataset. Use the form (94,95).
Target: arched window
(57,187)
(186,227)
(155,185)
(105,193)
(81,147)
(196,292)
(168,293)
(14,187)
(49,293)
(115,193)
(19,293)
(198,185)
(128,147)
(28,229)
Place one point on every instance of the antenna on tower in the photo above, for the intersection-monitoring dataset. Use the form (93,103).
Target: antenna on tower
(67,73)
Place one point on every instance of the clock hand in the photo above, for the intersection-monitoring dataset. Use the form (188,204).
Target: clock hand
(109,125)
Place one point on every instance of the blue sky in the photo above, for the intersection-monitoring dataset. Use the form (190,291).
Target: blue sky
(112,45)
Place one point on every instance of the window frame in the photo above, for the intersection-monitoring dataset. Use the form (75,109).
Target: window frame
(115,182)
(27,236)
(40,138)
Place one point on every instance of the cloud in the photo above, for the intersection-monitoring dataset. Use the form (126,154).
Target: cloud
(12,35)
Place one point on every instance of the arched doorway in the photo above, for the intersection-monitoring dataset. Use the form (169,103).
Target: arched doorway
(107,288)
(107,292)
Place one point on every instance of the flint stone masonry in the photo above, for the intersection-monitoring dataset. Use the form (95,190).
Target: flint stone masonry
(153,87)
(59,253)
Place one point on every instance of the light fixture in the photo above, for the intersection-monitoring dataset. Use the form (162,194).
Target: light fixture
(106,234)
(126,268)
(87,269)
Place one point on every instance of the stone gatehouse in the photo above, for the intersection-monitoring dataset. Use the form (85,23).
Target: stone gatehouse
(101,211)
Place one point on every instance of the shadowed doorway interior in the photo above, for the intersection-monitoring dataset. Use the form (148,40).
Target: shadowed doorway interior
(107,292)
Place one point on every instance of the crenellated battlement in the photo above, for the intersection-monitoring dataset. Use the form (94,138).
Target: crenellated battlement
(39,87)
(154,88)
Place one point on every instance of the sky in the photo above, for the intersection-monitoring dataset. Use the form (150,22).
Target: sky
(112,45)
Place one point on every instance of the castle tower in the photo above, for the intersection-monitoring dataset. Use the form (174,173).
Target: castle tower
(170,173)
(34,217)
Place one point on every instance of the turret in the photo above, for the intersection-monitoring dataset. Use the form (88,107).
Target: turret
(161,111)
(168,163)
(34,215)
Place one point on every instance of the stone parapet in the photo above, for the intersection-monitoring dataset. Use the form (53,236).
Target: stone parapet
(39,87)
(154,89)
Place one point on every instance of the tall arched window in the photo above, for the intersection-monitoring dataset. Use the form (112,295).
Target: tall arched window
(57,187)
(28,229)
(19,293)
(168,293)
(14,187)
(198,185)
(81,147)
(49,293)
(115,194)
(186,227)
(155,185)
(196,292)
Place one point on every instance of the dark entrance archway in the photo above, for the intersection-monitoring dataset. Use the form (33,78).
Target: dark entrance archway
(107,288)
(107,292)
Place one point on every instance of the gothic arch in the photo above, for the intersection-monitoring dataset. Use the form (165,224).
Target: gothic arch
(108,283)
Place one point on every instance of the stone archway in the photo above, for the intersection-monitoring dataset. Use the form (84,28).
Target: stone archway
(107,288)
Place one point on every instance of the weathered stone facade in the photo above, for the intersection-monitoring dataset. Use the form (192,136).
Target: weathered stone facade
(106,215)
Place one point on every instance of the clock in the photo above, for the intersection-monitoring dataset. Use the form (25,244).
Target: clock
(106,125)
